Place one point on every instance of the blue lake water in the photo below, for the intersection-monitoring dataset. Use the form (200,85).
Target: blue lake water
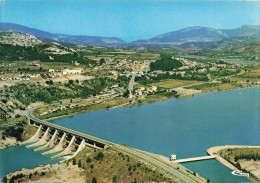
(186,127)
(17,157)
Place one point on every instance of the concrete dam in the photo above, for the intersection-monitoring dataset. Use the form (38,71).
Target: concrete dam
(54,138)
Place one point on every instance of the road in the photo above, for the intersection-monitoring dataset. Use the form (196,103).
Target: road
(131,84)
(157,163)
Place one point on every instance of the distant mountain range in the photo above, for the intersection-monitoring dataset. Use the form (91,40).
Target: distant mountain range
(187,38)
(83,40)
(195,35)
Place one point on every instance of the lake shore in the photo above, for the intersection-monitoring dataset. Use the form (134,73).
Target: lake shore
(214,151)
(182,92)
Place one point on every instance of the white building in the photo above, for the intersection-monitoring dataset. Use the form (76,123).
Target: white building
(173,157)
(71,71)
(51,70)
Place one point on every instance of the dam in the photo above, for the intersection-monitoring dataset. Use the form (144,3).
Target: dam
(55,138)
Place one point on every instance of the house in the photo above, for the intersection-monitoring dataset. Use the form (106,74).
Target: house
(142,88)
(154,88)
(139,92)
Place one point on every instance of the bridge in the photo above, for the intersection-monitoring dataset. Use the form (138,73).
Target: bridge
(194,159)
(64,141)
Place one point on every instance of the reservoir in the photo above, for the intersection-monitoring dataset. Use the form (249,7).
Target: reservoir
(186,127)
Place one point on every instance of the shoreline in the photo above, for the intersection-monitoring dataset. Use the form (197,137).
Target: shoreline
(149,102)
(213,151)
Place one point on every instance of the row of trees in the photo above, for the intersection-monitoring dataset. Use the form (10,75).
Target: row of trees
(247,157)
(193,76)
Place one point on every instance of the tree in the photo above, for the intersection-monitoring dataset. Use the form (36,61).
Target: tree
(126,93)
(79,164)
(102,61)
(114,179)
(94,180)
(71,81)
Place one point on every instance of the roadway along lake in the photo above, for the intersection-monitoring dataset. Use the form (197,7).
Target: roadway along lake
(186,127)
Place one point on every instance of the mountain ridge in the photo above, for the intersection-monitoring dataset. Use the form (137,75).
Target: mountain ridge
(201,34)
(185,36)
(75,39)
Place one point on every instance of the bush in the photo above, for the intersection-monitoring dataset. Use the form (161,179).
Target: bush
(74,161)
(99,156)
(88,160)
(129,168)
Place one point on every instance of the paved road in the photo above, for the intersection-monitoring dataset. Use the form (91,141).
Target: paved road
(131,84)
(157,163)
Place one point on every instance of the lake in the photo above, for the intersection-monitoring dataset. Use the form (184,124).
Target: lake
(186,127)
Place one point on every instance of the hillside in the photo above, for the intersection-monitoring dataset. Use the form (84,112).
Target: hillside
(15,46)
(198,35)
(84,40)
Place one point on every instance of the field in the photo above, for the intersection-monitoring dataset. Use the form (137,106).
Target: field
(209,87)
(173,83)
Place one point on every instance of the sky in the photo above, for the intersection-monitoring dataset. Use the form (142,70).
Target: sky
(129,20)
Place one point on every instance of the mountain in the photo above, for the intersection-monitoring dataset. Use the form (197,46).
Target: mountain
(84,40)
(187,38)
(198,36)
(244,31)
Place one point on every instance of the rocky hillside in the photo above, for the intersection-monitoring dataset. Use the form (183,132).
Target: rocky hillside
(75,39)
(20,39)
(15,46)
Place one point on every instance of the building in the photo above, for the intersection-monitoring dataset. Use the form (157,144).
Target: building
(139,92)
(71,71)
(51,70)
(173,157)
(154,88)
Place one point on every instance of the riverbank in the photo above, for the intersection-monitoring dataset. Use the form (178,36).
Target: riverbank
(16,133)
(179,92)
(226,160)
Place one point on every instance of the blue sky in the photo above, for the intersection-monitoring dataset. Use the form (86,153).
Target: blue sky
(127,19)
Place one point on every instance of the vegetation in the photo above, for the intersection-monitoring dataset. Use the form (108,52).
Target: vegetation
(29,93)
(110,165)
(159,77)
(166,63)
(244,159)
(16,53)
